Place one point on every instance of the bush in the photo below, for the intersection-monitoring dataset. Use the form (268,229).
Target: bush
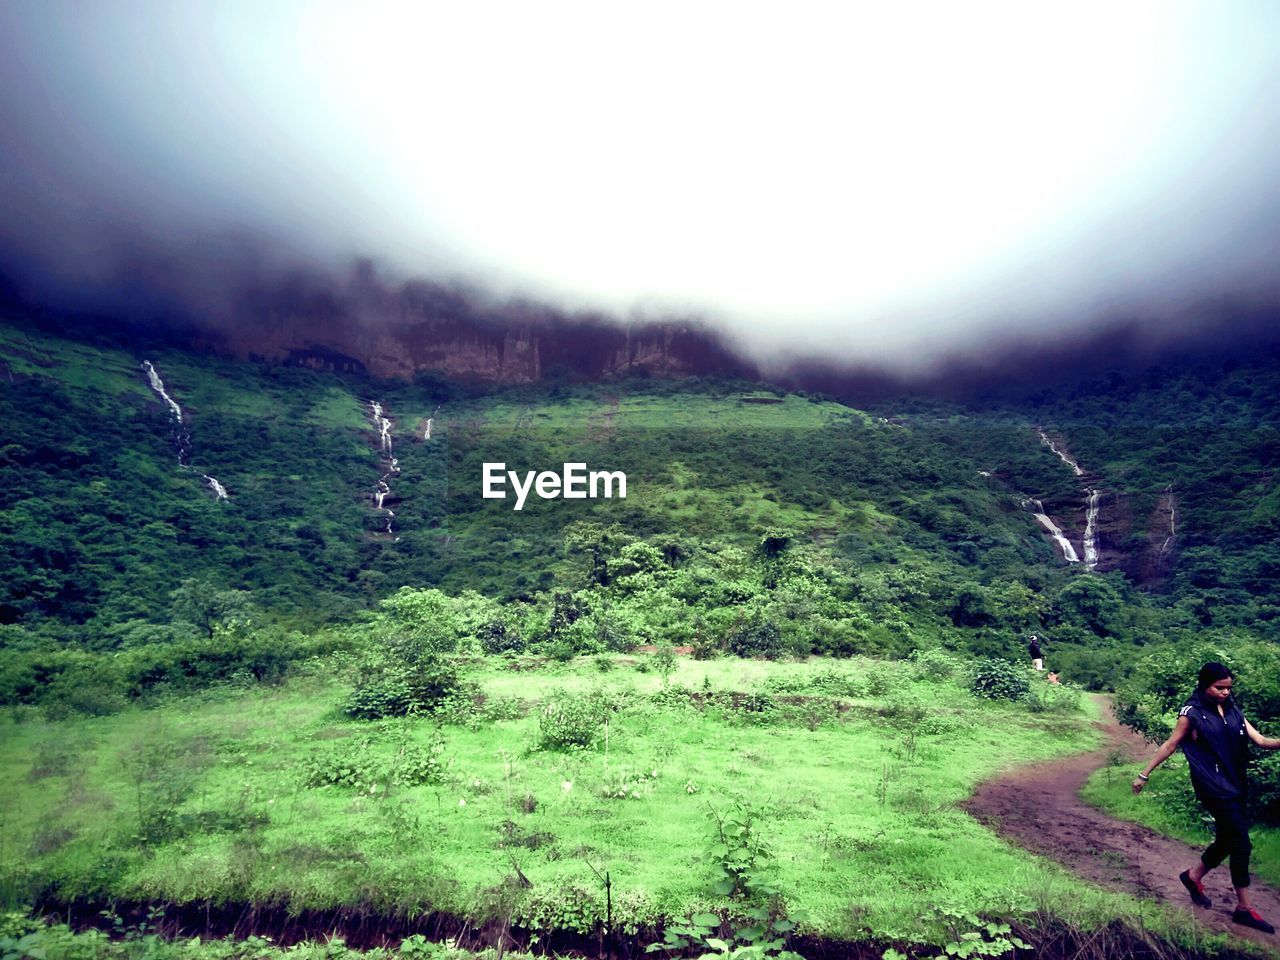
(757,638)
(197,663)
(568,722)
(496,637)
(834,637)
(1048,698)
(935,664)
(998,680)
(937,725)
(425,622)
(1265,795)
(380,693)
(67,681)
(398,689)
(361,765)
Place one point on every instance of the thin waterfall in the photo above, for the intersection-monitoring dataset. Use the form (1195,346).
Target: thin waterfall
(391,466)
(1037,510)
(1173,521)
(181,435)
(1090,531)
(1092,496)
(1062,456)
(426,433)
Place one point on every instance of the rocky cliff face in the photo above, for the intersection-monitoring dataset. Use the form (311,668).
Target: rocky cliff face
(1140,542)
(431,328)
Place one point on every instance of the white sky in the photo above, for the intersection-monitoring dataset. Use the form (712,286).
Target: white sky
(894,177)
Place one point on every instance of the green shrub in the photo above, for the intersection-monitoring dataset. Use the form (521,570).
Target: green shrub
(398,689)
(998,680)
(380,693)
(367,764)
(937,725)
(833,637)
(664,662)
(569,722)
(934,664)
(705,647)
(497,637)
(1265,782)
(199,662)
(465,706)
(1051,698)
(424,623)
(432,681)
(755,638)
(559,650)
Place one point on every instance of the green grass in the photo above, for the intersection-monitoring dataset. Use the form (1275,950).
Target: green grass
(200,384)
(653,412)
(339,408)
(858,805)
(80,367)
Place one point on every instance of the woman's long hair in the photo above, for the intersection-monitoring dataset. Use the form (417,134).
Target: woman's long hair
(1211,673)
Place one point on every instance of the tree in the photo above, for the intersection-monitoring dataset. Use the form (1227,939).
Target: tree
(595,543)
(206,606)
(426,622)
(1090,602)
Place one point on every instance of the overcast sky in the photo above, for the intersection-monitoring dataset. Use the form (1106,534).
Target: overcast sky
(865,180)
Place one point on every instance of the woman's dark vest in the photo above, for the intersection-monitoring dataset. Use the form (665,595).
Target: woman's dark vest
(1218,753)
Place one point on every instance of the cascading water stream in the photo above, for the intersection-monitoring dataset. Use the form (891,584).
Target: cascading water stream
(181,437)
(1061,456)
(1037,510)
(1092,495)
(158,386)
(392,465)
(1090,531)
(219,491)
(1173,522)
(426,433)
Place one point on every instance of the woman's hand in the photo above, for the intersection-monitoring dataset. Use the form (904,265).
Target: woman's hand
(1180,730)
(1266,743)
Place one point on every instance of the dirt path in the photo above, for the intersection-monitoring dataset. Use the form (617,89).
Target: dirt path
(1039,808)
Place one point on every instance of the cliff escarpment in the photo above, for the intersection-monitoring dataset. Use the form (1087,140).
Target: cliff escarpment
(431,328)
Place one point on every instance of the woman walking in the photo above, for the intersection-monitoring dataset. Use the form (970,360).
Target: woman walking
(1215,737)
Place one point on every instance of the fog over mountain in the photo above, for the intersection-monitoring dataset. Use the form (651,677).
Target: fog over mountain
(890,190)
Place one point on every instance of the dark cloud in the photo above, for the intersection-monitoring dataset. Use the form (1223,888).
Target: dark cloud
(1016,369)
(212,168)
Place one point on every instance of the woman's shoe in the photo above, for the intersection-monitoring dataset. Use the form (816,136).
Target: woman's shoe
(1250,918)
(1196,889)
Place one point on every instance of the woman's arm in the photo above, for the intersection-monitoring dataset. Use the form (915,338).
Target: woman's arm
(1266,743)
(1166,751)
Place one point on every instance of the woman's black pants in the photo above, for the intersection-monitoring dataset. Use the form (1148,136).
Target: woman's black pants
(1231,839)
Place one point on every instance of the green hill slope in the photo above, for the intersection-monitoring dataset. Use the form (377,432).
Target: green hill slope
(805,523)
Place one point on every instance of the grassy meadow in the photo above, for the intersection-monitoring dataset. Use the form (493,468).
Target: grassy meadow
(849,771)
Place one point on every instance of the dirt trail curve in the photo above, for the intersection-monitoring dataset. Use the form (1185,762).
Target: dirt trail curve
(1039,808)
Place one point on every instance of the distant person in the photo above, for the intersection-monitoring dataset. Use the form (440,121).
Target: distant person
(1215,737)
(1037,655)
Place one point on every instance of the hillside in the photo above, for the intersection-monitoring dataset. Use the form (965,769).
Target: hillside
(271,661)
(916,521)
